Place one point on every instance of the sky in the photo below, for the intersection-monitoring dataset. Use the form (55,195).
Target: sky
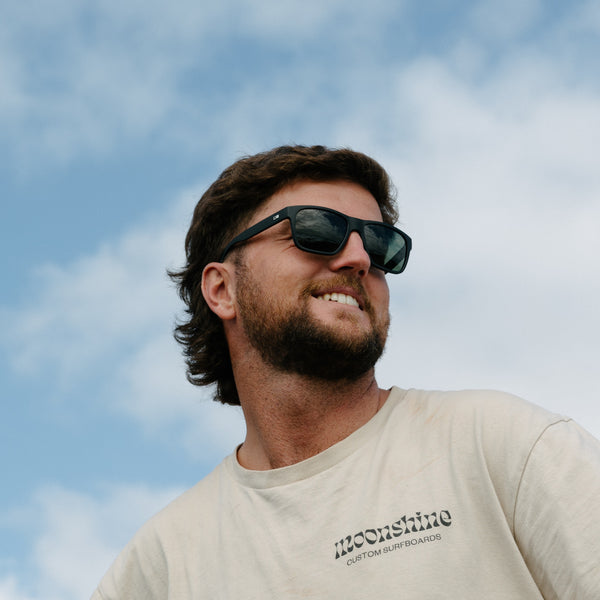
(116,116)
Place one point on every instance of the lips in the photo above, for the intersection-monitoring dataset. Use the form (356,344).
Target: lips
(342,289)
(340,298)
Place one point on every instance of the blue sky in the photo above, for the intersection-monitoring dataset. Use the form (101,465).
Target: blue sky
(114,117)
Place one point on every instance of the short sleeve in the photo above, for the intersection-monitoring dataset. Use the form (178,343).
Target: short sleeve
(556,513)
(138,573)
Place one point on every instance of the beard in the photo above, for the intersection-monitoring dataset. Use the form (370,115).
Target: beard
(290,339)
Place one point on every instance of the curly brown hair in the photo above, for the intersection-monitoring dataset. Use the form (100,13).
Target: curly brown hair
(225,209)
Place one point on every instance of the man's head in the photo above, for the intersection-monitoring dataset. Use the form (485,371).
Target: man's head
(228,207)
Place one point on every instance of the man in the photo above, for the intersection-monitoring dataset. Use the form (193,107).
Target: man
(341,489)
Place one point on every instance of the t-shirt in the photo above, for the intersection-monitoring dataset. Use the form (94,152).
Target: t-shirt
(470,494)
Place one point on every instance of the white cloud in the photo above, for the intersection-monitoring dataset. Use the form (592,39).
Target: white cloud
(151,387)
(82,534)
(494,155)
(499,185)
(87,309)
(77,536)
(303,21)
(11,590)
(89,78)
(109,316)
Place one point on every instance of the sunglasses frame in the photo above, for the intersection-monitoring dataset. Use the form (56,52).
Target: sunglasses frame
(290,212)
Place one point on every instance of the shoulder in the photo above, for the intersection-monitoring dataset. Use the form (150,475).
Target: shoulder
(490,411)
(142,568)
(485,431)
(189,510)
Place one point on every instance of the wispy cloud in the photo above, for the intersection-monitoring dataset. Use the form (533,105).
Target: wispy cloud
(88,78)
(108,318)
(77,536)
(498,183)
(87,309)
(488,124)
(10,589)
(150,386)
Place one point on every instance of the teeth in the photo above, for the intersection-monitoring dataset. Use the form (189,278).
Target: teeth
(341,298)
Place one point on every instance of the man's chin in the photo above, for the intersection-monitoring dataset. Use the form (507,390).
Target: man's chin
(331,352)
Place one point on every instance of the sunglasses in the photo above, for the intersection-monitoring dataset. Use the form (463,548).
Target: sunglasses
(325,231)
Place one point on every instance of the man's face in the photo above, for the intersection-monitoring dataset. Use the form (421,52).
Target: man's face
(320,316)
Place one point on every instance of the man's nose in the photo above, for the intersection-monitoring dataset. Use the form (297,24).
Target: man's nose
(352,256)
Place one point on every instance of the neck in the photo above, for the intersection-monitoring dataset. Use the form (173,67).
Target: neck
(290,418)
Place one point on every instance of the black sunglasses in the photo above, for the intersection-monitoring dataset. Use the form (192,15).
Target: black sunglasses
(325,231)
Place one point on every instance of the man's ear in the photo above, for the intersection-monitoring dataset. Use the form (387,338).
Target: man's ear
(218,289)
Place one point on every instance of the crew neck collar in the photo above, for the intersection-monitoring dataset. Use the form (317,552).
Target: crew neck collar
(320,462)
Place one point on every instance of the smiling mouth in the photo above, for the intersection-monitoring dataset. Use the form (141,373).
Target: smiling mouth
(340,299)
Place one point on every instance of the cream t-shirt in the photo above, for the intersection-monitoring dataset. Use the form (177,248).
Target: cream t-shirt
(471,494)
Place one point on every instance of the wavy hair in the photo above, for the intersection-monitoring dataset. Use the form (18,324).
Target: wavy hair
(224,210)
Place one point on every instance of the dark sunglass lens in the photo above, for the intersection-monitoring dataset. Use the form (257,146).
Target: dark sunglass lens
(319,230)
(386,247)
